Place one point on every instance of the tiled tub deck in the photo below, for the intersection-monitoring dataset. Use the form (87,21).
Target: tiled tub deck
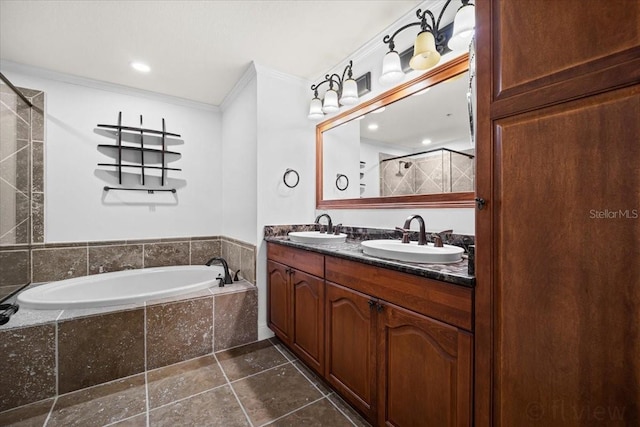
(45,353)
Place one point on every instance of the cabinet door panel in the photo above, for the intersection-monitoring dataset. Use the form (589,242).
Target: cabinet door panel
(567,300)
(425,371)
(536,43)
(350,346)
(308,318)
(279,300)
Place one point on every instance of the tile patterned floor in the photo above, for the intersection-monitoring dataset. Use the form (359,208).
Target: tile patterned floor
(259,384)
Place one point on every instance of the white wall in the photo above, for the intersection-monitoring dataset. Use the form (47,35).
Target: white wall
(283,142)
(238,171)
(341,155)
(77,208)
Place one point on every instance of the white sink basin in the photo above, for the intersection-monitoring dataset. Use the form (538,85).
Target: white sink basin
(412,252)
(316,237)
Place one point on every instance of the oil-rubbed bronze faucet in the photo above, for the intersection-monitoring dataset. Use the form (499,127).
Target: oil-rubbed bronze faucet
(329,225)
(437,238)
(422,235)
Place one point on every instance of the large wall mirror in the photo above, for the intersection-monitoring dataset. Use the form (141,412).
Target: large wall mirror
(408,147)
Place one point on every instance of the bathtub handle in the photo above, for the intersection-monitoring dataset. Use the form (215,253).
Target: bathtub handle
(235,276)
(220,282)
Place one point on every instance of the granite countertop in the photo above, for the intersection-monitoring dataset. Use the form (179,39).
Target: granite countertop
(352,250)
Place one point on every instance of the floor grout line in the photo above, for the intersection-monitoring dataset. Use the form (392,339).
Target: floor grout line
(186,397)
(308,379)
(318,388)
(53,405)
(340,410)
(291,412)
(244,411)
(282,352)
(258,373)
(125,419)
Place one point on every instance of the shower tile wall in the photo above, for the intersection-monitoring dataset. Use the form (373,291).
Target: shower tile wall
(21,184)
(21,167)
(427,175)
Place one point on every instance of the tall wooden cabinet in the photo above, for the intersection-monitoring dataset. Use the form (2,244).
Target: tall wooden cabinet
(558,241)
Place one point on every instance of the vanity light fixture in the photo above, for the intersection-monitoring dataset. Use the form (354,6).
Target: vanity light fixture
(430,42)
(342,91)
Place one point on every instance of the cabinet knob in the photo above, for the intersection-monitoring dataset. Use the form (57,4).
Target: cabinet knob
(371,303)
(379,307)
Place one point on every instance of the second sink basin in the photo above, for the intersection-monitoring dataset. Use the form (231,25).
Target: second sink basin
(316,237)
(412,252)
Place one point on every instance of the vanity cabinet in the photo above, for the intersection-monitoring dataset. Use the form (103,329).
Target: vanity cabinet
(351,346)
(295,302)
(397,347)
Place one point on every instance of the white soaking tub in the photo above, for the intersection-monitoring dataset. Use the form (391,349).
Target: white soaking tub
(120,287)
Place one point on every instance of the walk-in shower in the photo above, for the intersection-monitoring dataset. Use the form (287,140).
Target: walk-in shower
(21,181)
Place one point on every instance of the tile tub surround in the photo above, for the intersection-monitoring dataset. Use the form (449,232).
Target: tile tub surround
(251,385)
(456,273)
(20,264)
(45,353)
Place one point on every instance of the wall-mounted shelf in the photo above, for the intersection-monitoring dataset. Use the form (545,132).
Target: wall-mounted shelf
(145,149)
(119,146)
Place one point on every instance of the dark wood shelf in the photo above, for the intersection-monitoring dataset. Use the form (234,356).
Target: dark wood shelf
(139,166)
(136,129)
(145,149)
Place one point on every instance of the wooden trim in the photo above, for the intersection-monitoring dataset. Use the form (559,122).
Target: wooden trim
(483,295)
(613,72)
(444,200)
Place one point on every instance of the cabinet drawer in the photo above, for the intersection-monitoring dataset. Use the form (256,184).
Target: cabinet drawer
(309,262)
(445,302)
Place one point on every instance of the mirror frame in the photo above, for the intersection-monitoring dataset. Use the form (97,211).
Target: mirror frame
(432,77)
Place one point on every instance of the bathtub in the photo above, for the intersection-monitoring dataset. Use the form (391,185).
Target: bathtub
(120,287)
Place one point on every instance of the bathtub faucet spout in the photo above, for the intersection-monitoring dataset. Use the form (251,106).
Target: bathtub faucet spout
(220,260)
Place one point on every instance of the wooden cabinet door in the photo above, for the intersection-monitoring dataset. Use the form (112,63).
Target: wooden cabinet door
(557,297)
(308,318)
(424,371)
(279,316)
(350,346)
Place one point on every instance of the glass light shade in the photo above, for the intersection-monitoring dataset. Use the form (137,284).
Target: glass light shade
(463,27)
(425,54)
(330,104)
(349,92)
(391,68)
(315,109)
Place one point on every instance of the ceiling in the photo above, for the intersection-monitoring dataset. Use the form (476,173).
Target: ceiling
(440,114)
(197,50)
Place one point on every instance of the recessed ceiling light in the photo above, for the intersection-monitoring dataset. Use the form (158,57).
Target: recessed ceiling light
(379,110)
(373,126)
(140,66)
(426,141)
